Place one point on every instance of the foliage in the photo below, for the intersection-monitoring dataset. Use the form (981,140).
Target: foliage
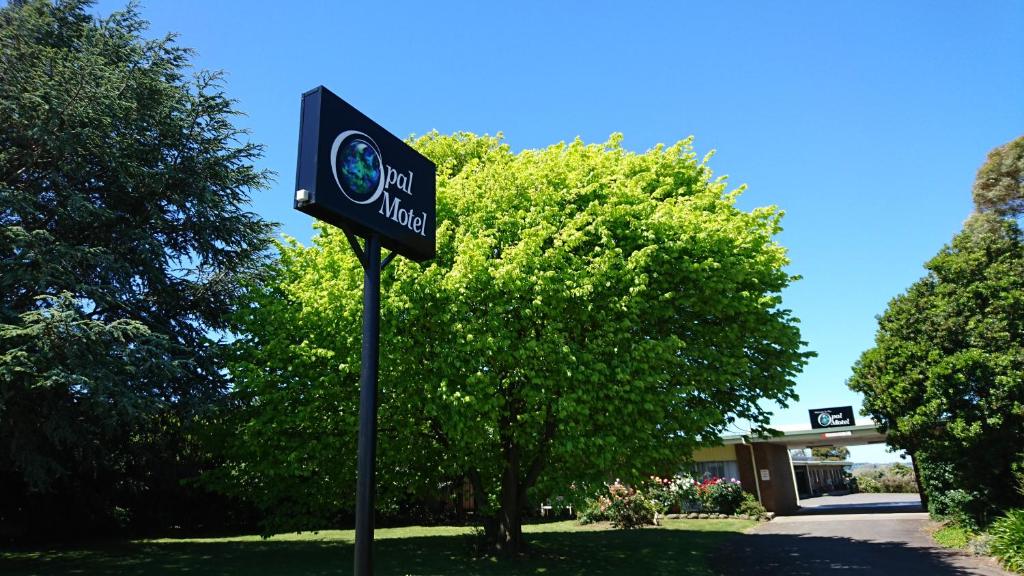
(623,506)
(999,185)
(124,242)
(886,484)
(680,491)
(944,377)
(661,492)
(629,508)
(892,478)
(632,511)
(868,484)
(830,453)
(688,493)
(979,545)
(751,507)
(721,495)
(1007,540)
(898,484)
(961,507)
(590,312)
(594,510)
(901,470)
(953,536)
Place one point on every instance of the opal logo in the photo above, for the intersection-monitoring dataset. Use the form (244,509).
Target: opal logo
(357,166)
(825,419)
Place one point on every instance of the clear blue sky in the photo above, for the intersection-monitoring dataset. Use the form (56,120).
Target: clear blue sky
(864,121)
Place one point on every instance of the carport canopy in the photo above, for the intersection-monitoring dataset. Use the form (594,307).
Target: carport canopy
(794,437)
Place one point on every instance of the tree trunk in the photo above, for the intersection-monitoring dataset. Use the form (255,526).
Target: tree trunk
(920,484)
(510,518)
(480,504)
(505,529)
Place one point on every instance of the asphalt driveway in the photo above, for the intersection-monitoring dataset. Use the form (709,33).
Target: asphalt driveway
(850,543)
(862,503)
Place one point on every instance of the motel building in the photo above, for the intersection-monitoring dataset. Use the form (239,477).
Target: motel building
(765,468)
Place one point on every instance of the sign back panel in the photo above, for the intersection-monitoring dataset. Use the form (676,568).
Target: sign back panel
(358,176)
(832,417)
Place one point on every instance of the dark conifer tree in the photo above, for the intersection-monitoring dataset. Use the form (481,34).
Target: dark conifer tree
(125,239)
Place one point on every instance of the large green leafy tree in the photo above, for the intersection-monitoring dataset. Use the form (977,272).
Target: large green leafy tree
(124,239)
(946,374)
(591,314)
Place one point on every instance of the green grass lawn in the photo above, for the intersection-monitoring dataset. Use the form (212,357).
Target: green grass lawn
(677,547)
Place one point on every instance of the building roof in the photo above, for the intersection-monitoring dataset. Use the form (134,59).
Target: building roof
(793,437)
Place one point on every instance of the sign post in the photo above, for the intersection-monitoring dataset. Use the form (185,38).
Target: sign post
(355,175)
(366,464)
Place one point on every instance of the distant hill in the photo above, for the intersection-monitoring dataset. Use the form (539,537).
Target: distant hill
(868,466)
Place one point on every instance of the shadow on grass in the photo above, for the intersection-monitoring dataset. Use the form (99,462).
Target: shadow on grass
(806,555)
(648,551)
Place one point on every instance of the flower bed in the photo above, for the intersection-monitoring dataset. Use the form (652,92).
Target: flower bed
(680,496)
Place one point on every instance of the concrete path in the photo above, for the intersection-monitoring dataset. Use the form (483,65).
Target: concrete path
(861,503)
(861,543)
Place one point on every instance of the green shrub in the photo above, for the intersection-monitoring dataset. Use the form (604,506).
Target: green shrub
(898,484)
(898,469)
(721,495)
(660,492)
(961,507)
(751,507)
(595,510)
(687,492)
(979,545)
(623,507)
(1007,540)
(630,508)
(632,511)
(680,492)
(951,497)
(888,478)
(865,484)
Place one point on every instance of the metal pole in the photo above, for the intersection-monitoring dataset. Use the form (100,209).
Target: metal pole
(368,408)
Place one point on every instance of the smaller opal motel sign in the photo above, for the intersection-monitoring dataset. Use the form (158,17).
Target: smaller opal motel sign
(356,175)
(832,417)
